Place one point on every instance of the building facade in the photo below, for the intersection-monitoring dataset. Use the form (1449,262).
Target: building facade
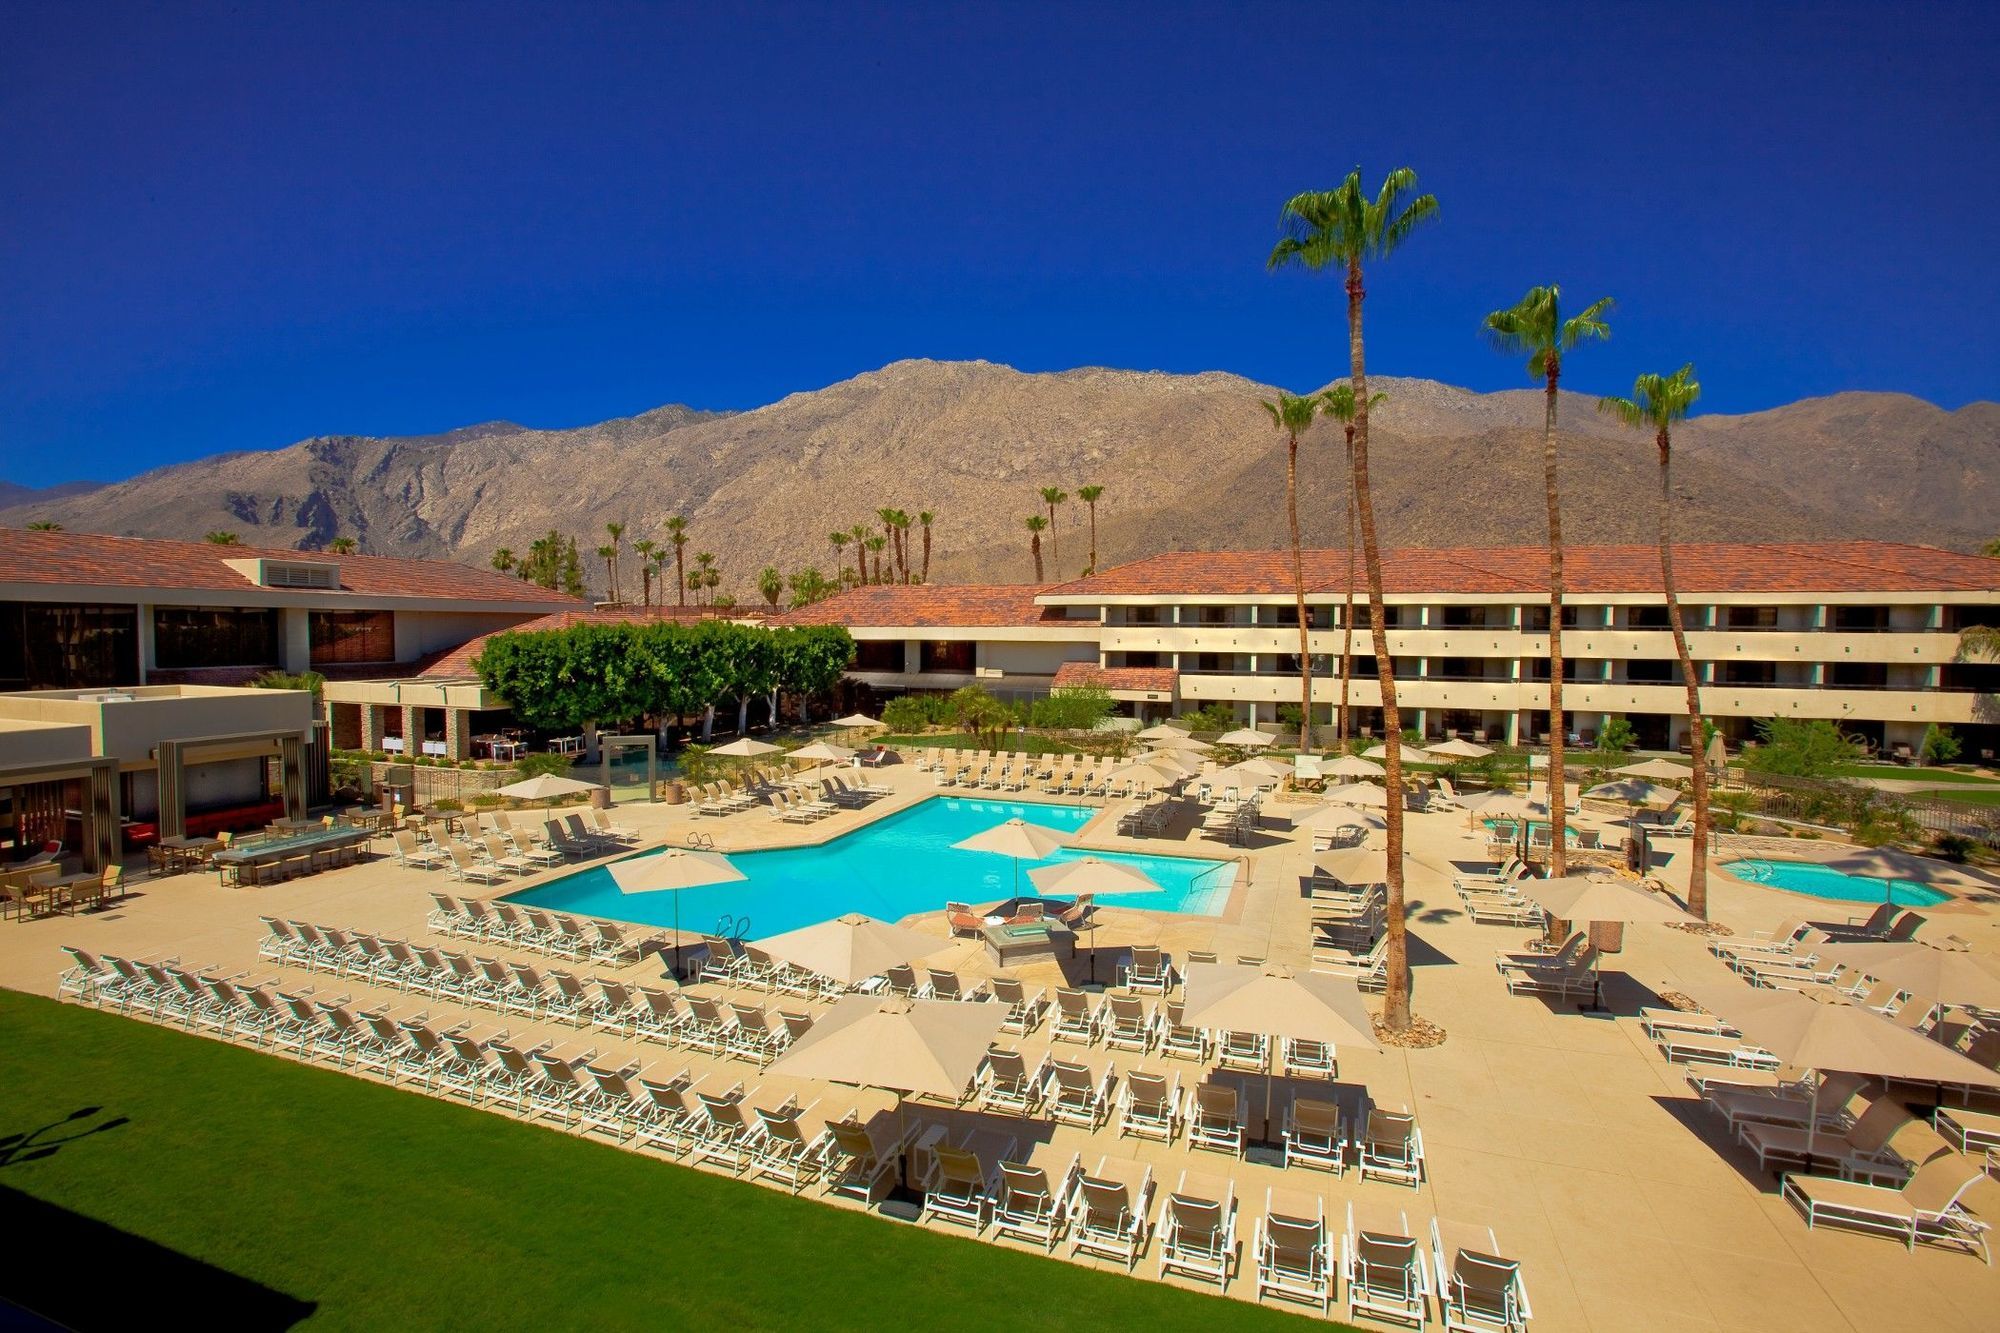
(1864,634)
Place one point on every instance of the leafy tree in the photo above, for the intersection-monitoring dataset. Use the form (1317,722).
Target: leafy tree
(1090,495)
(1294,416)
(1209,717)
(770,585)
(221,538)
(1536,326)
(1616,738)
(1339,403)
(810,659)
(975,710)
(905,715)
(1795,747)
(1339,229)
(1940,746)
(1657,403)
(1078,708)
(1036,526)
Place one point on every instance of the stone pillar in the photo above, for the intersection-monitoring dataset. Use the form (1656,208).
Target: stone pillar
(371,726)
(292,759)
(172,816)
(457,734)
(413,730)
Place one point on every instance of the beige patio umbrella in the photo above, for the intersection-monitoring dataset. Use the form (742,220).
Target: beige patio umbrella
(1147,771)
(1364,794)
(1245,738)
(1180,741)
(1889,863)
(1162,731)
(851,948)
(1306,768)
(1019,839)
(1656,770)
(1458,749)
(1339,816)
(545,787)
(1354,866)
(853,720)
(744,747)
(1278,1002)
(1350,766)
(1503,805)
(1251,772)
(1093,877)
(1187,765)
(1634,791)
(1411,753)
(1575,898)
(1949,975)
(822,752)
(670,871)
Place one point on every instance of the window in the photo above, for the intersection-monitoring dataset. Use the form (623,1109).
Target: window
(1648,617)
(1860,618)
(953,656)
(1747,673)
(1752,617)
(1653,671)
(1857,675)
(1535,619)
(1142,615)
(878,655)
(44,646)
(204,636)
(1206,615)
(353,636)
(1142,659)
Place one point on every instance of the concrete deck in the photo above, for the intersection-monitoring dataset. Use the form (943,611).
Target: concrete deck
(1566,1132)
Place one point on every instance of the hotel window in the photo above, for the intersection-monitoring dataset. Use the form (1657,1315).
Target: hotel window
(1857,675)
(878,655)
(1653,671)
(1145,659)
(214,636)
(953,656)
(1535,619)
(1142,615)
(353,636)
(1207,615)
(1751,617)
(1650,617)
(1859,618)
(44,646)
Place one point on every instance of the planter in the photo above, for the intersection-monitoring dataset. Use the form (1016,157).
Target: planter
(600,798)
(672,793)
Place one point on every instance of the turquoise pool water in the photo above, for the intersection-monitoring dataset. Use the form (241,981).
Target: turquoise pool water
(1506,828)
(888,870)
(1820,882)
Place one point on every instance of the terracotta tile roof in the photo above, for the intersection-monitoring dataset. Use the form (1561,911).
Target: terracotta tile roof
(94,560)
(456,664)
(1714,567)
(1153,680)
(929,605)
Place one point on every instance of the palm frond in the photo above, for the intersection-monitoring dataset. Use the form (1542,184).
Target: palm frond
(1397,227)
(1590,324)
(1628,412)
(1979,642)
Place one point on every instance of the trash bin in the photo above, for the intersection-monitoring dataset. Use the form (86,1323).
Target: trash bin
(600,798)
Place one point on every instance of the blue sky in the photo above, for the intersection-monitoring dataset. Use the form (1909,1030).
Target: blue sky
(233,226)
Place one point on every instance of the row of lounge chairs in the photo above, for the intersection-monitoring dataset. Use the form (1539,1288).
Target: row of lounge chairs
(1570,972)
(555,933)
(1233,823)
(1149,820)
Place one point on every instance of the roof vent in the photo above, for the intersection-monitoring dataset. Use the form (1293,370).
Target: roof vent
(288,573)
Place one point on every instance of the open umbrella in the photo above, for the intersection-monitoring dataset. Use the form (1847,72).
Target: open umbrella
(1656,770)
(1280,1003)
(1245,738)
(1019,839)
(743,747)
(851,948)
(1339,816)
(1306,768)
(856,720)
(1151,770)
(1162,731)
(822,752)
(1180,741)
(1256,772)
(1950,975)
(1634,791)
(670,871)
(544,787)
(1364,794)
(1892,867)
(1349,766)
(1458,749)
(1581,898)
(1412,754)
(1093,877)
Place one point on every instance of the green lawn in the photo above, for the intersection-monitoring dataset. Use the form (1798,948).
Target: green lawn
(1938,775)
(1986,796)
(143,1169)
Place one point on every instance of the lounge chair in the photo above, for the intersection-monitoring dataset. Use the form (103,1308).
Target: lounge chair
(1076,1019)
(1082,1094)
(1247,1051)
(1148,971)
(1108,1218)
(1479,1290)
(1315,1135)
(1383,1262)
(1391,1147)
(1861,1148)
(1009,1085)
(1217,1120)
(1177,1039)
(1024,1008)
(958,1189)
(963,920)
(1028,1206)
(1149,1106)
(1127,1025)
(1198,1235)
(862,1159)
(1294,1252)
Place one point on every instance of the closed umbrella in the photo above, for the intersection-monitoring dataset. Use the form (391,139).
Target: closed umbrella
(1458,749)
(1949,975)
(851,948)
(1280,1003)
(1093,877)
(1350,766)
(671,871)
(1019,839)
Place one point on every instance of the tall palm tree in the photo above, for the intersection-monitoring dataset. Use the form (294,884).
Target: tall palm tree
(1339,229)
(1339,403)
(609,555)
(839,540)
(887,518)
(343,546)
(926,517)
(677,534)
(1536,326)
(503,559)
(770,584)
(617,532)
(1053,496)
(1036,525)
(646,546)
(1294,416)
(860,538)
(875,544)
(1090,495)
(1657,402)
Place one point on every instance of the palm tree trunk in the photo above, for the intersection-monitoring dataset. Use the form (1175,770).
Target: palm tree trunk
(1299,595)
(680,576)
(1055,545)
(1558,859)
(1035,545)
(1697,897)
(927,553)
(1093,536)
(1396,986)
(1347,607)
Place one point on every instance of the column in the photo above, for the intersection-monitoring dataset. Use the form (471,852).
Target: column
(371,726)
(294,639)
(172,817)
(100,834)
(143,616)
(413,731)
(292,761)
(457,734)
(1513,727)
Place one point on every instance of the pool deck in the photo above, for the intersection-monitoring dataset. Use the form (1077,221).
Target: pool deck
(1566,1132)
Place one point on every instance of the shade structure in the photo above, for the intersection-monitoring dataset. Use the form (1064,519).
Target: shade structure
(1091,876)
(674,868)
(1146,770)
(1278,1002)
(1458,749)
(1245,738)
(1951,976)
(744,747)
(1180,741)
(1306,768)
(923,1047)
(1354,866)
(1656,770)
(1581,898)
(1183,763)
(1840,1037)
(851,948)
(856,720)
(544,787)
(1350,766)
(1256,772)
(1364,794)
(1339,816)
(1411,753)
(1162,731)
(1019,839)
(1633,791)
(1888,863)
(823,752)
(1503,805)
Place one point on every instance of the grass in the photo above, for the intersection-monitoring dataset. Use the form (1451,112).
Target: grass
(1938,775)
(177,1168)
(1987,796)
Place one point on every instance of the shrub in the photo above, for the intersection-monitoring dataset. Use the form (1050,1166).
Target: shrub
(1952,846)
(535,765)
(906,715)
(1079,709)
(447,803)
(1617,737)
(1209,717)
(1798,748)
(486,800)
(1940,746)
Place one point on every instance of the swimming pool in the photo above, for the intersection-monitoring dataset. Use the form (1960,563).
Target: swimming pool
(888,870)
(1821,882)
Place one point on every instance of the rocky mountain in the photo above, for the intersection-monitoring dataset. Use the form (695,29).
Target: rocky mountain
(12,493)
(1186,461)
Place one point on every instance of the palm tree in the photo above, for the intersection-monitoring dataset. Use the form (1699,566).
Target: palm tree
(221,538)
(887,518)
(840,540)
(646,546)
(617,531)
(1294,416)
(503,559)
(1338,403)
(1536,326)
(926,517)
(609,555)
(1053,496)
(343,546)
(875,544)
(45,525)
(704,575)
(1339,228)
(771,584)
(1090,496)
(1657,402)
(1991,548)
(1976,642)
(677,533)
(1037,525)
(902,525)
(859,536)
